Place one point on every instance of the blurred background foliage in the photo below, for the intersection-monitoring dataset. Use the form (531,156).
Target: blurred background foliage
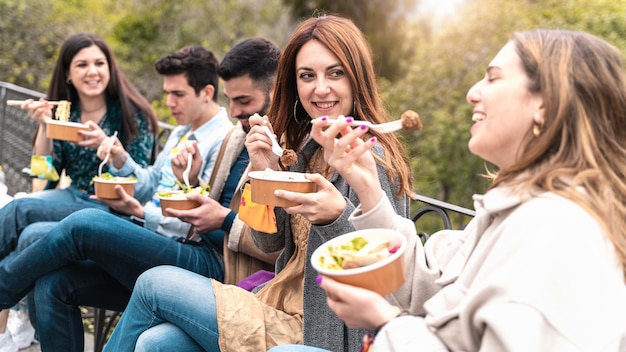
(426,59)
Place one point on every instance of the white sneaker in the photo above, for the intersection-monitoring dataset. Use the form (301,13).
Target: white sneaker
(20,328)
(6,342)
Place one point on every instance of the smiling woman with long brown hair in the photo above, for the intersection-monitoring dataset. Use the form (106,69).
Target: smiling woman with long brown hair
(547,248)
(325,70)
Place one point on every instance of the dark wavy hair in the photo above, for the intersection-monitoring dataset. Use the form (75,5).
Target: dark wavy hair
(119,87)
(255,57)
(197,63)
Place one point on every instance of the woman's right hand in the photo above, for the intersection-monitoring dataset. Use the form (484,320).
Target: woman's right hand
(259,145)
(38,110)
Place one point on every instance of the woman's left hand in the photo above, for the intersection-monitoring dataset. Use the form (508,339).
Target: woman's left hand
(94,136)
(321,207)
(359,308)
(351,157)
(115,149)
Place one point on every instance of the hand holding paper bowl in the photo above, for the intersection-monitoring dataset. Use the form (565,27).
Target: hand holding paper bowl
(371,259)
(177,199)
(105,185)
(264,183)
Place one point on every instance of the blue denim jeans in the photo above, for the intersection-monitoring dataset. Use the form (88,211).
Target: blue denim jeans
(295,348)
(32,233)
(166,337)
(171,309)
(24,220)
(48,205)
(91,258)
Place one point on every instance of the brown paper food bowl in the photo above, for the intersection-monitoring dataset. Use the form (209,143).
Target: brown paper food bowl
(383,277)
(178,201)
(105,189)
(264,183)
(65,131)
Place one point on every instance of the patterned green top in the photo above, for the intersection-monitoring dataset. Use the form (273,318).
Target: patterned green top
(81,164)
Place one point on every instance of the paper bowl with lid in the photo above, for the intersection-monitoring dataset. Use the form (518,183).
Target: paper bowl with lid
(65,130)
(264,183)
(383,276)
(104,185)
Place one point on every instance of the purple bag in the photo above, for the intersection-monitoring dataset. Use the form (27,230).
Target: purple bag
(258,278)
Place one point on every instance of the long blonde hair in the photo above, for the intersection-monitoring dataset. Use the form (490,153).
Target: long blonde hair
(583,85)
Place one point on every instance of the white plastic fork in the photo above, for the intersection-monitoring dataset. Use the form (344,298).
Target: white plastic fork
(386,127)
(276,149)
(187,170)
(106,157)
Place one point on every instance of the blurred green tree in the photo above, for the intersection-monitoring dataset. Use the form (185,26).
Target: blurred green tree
(153,28)
(383,22)
(426,62)
(451,56)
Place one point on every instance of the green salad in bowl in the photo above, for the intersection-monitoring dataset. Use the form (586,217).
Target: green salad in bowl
(177,199)
(184,191)
(105,185)
(107,177)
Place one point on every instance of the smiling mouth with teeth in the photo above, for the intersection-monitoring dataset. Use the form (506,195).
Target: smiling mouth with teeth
(478,117)
(324,105)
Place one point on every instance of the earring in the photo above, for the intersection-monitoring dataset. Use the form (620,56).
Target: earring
(68,81)
(295,116)
(536,129)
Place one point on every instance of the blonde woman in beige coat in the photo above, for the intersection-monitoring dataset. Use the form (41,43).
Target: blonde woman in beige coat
(541,266)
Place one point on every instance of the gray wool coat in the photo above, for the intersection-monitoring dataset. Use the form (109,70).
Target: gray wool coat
(322,328)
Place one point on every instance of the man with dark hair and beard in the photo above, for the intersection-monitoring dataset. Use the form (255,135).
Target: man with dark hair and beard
(93,258)
(248,71)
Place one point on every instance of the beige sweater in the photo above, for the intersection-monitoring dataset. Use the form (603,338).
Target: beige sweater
(527,274)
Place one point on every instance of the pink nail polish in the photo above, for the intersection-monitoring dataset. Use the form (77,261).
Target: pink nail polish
(349,120)
(318,280)
(363,127)
(324,118)
(373,140)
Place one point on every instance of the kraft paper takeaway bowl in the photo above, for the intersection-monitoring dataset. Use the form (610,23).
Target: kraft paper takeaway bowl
(264,183)
(374,259)
(105,185)
(176,200)
(64,130)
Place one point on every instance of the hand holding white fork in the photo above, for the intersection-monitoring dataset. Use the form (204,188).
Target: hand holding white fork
(106,158)
(276,149)
(187,170)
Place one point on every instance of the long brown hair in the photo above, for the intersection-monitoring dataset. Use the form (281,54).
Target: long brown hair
(583,85)
(347,42)
(119,87)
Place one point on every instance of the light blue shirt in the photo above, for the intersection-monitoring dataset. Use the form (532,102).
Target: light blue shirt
(155,178)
